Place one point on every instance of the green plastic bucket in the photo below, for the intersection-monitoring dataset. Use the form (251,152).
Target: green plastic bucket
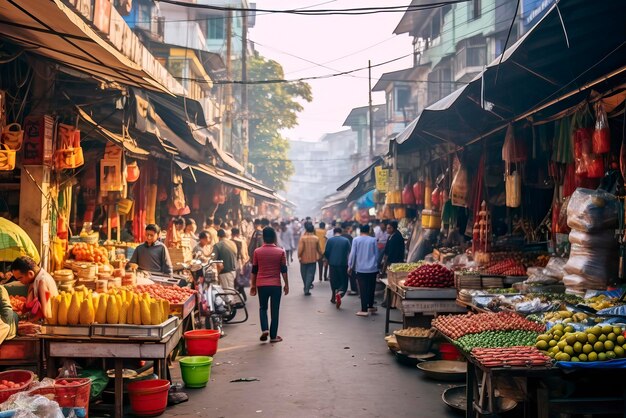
(196,370)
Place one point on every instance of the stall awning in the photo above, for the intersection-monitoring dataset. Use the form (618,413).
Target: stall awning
(127,143)
(365,172)
(52,29)
(204,134)
(211,172)
(551,68)
(340,196)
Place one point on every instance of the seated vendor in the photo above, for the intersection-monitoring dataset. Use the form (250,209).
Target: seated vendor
(204,249)
(41,286)
(152,255)
(8,318)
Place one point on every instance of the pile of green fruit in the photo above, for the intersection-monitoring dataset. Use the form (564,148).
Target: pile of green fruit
(598,343)
(496,339)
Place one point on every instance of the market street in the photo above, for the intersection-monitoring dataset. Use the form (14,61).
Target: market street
(330,364)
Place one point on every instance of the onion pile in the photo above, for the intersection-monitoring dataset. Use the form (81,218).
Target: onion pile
(430,275)
(456,326)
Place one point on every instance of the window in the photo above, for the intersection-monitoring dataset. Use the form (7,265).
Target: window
(216,27)
(403,98)
(471,53)
(439,84)
(473,9)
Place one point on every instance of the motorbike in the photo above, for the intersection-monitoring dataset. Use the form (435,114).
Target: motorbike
(216,305)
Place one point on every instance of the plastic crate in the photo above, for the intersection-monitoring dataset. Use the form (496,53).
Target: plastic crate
(72,397)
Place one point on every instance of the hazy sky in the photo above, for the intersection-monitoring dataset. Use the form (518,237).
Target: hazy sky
(309,46)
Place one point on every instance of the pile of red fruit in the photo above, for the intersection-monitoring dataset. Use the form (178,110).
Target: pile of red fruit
(508,267)
(430,275)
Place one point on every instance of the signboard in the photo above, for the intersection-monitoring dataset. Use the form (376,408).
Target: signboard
(382,178)
(38,139)
(102,15)
(533,11)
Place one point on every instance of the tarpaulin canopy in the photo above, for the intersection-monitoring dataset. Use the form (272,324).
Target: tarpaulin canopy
(577,45)
(15,242)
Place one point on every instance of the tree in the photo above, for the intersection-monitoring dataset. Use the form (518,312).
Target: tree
(272,107)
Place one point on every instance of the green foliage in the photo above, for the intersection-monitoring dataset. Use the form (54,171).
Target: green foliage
(272,107)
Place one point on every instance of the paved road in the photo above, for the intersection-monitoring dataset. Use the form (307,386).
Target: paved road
(330,364)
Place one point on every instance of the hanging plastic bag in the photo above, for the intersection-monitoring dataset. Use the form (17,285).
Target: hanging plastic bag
(407,195)
(458,191)
(595,167)
(513,149)
(601,134)
(513,189)
(592,210)
(70,154)
(582,149)
(418,192)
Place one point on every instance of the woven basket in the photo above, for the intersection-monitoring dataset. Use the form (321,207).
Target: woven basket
(413,345)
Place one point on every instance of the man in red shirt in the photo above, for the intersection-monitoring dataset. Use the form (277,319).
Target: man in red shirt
(269,263)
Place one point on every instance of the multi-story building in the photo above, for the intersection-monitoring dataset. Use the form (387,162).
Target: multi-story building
(200,46)
(363,150)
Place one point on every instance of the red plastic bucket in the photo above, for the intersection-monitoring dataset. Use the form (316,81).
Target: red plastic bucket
(449,352)
(202,342)
(23,378)
(148,398)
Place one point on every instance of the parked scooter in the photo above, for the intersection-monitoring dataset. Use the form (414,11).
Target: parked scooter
(216,305)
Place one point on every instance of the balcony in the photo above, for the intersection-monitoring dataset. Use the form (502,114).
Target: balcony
(469,61)
(184,34)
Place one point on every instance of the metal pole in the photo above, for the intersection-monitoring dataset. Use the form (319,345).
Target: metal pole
(371,111)
(229,88)
(244,91)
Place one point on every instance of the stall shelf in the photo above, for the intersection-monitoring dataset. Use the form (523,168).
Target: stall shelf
(422,302)
(119,349)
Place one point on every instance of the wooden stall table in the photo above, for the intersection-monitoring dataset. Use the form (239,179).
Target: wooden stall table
(119,349)
(425,302)
(22,351)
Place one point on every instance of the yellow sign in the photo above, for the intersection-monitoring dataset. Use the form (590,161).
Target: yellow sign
(382,178)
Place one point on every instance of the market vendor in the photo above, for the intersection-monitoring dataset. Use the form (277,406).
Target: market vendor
(151,256)
(8,317)
(41,286)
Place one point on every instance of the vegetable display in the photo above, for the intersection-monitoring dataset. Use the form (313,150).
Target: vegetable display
(17,303)
(430,275)
(510,356)
(456,326)
(9,384)
(404,267)
(90,252)
(497,339)
(414,332)
(508,267)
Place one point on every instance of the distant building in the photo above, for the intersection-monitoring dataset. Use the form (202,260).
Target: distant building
(358,121)
(320,167)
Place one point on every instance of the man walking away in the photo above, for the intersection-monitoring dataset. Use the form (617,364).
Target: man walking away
(322,266)
(256,240)
(309,252)
(364,261)
(347,233)
(286,234)
(336,255)
(269,263)
(226,250)
(242,277)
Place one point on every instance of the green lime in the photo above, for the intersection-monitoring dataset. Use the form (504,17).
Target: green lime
(596,330)
(552,343)
(587,348)
(575,359)
(598,347)
(569,350)
(581,337)
(557,327)
(606,329)
(620,340)
(571,339)
(542,345)
(602,338)
(608,345)
(617,330)
(569,328)
(619,351)
(591,338)
(582,357)
(562,357)
(610,355)
(544,337)
(611,337)
(601,356)
(578,347)
(593,356)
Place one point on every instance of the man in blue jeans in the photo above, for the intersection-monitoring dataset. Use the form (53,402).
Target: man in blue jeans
(336,255)
(364,261)
(309,253)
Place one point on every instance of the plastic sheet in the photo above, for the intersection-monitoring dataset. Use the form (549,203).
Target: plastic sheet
(592,210)
(609,364)
(595,263)
(600,239)
(554,268)
(36,406)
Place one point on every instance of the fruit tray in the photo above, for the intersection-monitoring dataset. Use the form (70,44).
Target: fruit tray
(426,292)
(67,330)
(135,332)
(182,310)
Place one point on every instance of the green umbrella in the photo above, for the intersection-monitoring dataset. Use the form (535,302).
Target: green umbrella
(15,242)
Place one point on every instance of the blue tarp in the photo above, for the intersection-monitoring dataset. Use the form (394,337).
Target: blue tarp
(609,364)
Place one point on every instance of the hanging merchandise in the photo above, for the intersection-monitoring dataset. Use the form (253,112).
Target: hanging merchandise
(418,192)
(562,151)
(132,172)
(458,191)
(569,182)
(595,167)
(177,206)
(12,136)
(513,186)
(387,212)
(428,190)
(408,198)
(601,134)
(513,149)
(399,212)
(69,155)
(7,158)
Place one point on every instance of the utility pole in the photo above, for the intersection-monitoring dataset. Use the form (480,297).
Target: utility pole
(229,86)
(244,90)
(371,111)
